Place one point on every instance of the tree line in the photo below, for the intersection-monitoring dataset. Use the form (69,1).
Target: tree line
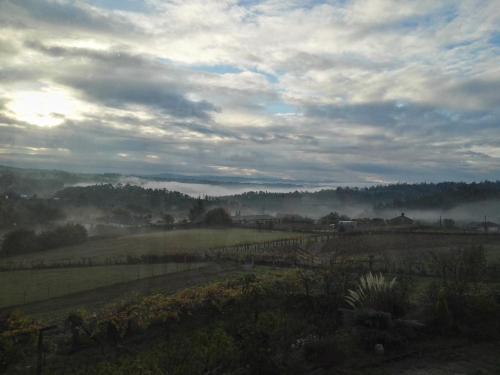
(21,241)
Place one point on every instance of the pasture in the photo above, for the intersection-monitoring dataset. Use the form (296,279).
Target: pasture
(193,241)
(397,245)
(26,286)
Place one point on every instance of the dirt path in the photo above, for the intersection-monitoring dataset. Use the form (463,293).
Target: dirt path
(464,359)
(55,309)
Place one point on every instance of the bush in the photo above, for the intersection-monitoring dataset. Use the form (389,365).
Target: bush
(480,317)
(17,339)
(459,268)
(474,314)
(455,303)
(331,350)
(378,293)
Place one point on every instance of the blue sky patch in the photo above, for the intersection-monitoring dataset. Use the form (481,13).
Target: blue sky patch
(126,5)
(495,39)
(279,107)
(216,69)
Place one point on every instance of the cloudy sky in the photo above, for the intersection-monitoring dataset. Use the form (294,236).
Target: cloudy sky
(352,91)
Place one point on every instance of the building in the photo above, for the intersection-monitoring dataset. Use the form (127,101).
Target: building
(485,226)
(346,225)
(254,219)
(401,220)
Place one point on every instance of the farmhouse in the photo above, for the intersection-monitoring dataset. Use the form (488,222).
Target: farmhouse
(400,220)
(346,225)
(487,226)
(370,223)
(254,219)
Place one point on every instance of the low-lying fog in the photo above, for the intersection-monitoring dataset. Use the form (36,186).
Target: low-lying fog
(467,212)
(463,213)
(223,189)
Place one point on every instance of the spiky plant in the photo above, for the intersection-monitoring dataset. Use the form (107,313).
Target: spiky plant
(373,291)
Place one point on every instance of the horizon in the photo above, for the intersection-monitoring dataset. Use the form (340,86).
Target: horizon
(220,186)
(372,92)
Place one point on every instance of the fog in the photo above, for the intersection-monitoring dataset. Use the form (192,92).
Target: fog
(463,213)
(224,189)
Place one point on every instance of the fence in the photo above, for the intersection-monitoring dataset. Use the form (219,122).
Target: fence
(301,251)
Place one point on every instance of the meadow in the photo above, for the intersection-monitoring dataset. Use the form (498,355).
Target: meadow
(26,286)
(193,241)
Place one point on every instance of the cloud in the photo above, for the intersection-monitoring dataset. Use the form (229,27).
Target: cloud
(122,91)
(75,16)
(358,90)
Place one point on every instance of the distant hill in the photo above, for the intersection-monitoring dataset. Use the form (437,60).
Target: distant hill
(44,182)
(356,201)
(443,195)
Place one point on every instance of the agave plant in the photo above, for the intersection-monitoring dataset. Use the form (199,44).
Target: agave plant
(373,291)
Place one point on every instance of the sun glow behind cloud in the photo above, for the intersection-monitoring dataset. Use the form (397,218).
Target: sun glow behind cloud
(44,108)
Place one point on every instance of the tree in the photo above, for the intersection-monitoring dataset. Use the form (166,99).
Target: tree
(122,216)
(332,218)
(197,210)
(65,235)
(218,216)
(20,241)
(296,219)
(449,223)
(168,219)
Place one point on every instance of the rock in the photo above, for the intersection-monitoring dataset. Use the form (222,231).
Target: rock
(379,349)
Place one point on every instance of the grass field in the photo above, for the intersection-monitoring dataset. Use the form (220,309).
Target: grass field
(415,245)
(19,287)
(159,243)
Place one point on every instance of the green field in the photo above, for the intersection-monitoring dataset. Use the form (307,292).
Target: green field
(19,287)
(159,243)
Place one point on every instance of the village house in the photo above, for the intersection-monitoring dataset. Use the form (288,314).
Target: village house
(254,219)
(401,220)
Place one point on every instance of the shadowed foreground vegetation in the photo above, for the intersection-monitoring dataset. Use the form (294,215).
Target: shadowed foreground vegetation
(339,317)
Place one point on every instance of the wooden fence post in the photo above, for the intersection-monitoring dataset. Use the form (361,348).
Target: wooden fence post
(370,263)
(39,360)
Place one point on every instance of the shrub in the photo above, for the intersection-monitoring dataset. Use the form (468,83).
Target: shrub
(374,291)
(17,339)
(480,317)
(325,351)
(333,350)
(455,302)
(459,268)
(450,310)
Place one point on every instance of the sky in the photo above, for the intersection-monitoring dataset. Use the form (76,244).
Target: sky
(371,91)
